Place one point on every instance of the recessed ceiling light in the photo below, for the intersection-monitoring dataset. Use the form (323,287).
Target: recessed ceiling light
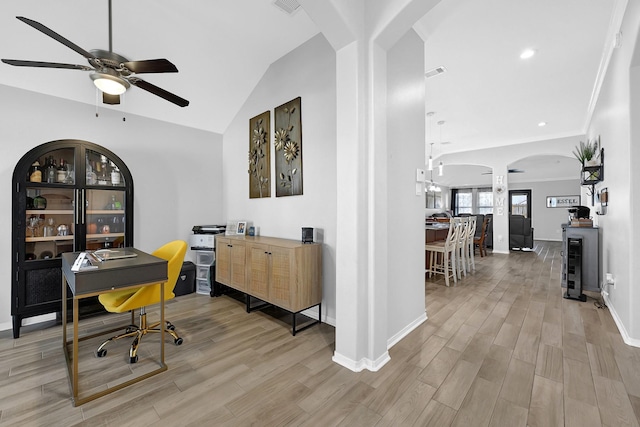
(527,53)
(541,124)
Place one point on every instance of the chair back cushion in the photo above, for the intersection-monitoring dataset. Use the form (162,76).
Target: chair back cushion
(127,300)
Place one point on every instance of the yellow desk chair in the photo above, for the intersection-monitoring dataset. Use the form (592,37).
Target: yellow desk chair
(130,299)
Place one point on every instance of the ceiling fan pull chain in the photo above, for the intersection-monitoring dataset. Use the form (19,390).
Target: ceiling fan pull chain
(110,39)
(98,99)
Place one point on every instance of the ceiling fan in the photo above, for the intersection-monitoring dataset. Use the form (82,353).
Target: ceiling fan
(110,72)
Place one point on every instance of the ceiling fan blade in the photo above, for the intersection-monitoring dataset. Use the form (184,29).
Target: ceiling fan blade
(158,91)
(38,26)
(21,63)
(151,66)
(110,99)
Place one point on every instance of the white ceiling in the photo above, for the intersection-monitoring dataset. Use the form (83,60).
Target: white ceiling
(488,96)
(530,169)
(221,50)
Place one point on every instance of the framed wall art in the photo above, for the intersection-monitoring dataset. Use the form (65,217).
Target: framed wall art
(288,148)
(260,156)
(562,201)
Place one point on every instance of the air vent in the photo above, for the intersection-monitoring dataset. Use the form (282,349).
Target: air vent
(435,72)
(287,6)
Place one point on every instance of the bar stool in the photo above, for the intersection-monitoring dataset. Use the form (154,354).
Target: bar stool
(442,257)
(462,223)
(469,249)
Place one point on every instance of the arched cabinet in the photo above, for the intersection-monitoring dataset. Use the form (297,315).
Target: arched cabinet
(68,195)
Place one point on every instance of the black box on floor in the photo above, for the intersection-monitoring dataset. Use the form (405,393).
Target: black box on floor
(186,283)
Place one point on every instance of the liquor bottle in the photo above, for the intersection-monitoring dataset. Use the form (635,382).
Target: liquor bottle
(35,172)
(39,202)
(91,175)
(50,169)
(62,171)
(102,171)
(115,174)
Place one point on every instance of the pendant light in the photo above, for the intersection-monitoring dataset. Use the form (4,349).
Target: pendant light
(430,161)
(440,165)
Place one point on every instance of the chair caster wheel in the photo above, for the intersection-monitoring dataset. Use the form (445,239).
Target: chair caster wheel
(133,359)
(130,329)
(101,353)
(171,328)
(178,341)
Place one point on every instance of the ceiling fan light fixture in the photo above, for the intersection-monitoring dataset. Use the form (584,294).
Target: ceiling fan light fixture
(109,82)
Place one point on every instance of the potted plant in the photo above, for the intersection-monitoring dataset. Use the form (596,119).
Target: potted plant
(587,152)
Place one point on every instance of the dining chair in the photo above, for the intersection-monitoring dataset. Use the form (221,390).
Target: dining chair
(480,240)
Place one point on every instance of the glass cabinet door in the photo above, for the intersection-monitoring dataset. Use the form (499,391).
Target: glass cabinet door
(50,222)
(105,219)
(102,171)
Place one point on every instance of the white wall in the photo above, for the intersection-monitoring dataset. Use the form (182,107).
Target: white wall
(405,136)
(547,221)
(617,121)
(309,71)
(176,170)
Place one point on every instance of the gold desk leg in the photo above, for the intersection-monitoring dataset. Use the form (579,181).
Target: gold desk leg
(75,348)
(64,312)
(73,366)
(162,325)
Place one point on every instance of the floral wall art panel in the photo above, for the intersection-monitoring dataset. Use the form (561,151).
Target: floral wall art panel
(288,148)
(259,156)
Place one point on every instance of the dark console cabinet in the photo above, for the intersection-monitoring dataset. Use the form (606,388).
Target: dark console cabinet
(590,259)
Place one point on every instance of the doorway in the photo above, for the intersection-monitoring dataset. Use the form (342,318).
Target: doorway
(520,203)
(520,230)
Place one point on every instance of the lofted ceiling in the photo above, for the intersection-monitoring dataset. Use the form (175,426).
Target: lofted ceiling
(487,97)
(221,50)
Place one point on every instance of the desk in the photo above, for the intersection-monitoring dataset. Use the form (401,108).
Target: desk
(110,276)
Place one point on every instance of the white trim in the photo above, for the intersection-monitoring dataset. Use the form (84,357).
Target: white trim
(495,251)
(406,330)
(623,332)
(313,313)
(615,23)
(29,321)
(362,364)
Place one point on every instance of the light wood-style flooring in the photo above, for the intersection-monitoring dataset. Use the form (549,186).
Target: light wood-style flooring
(502,348)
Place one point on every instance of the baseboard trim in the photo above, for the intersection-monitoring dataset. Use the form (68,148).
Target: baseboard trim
(362,364)
(313,313)
(406,330)
(623,332)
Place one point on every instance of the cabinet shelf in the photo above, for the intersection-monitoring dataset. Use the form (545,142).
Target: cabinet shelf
(48,239)
(105,212)
(103,235)
(50,212)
